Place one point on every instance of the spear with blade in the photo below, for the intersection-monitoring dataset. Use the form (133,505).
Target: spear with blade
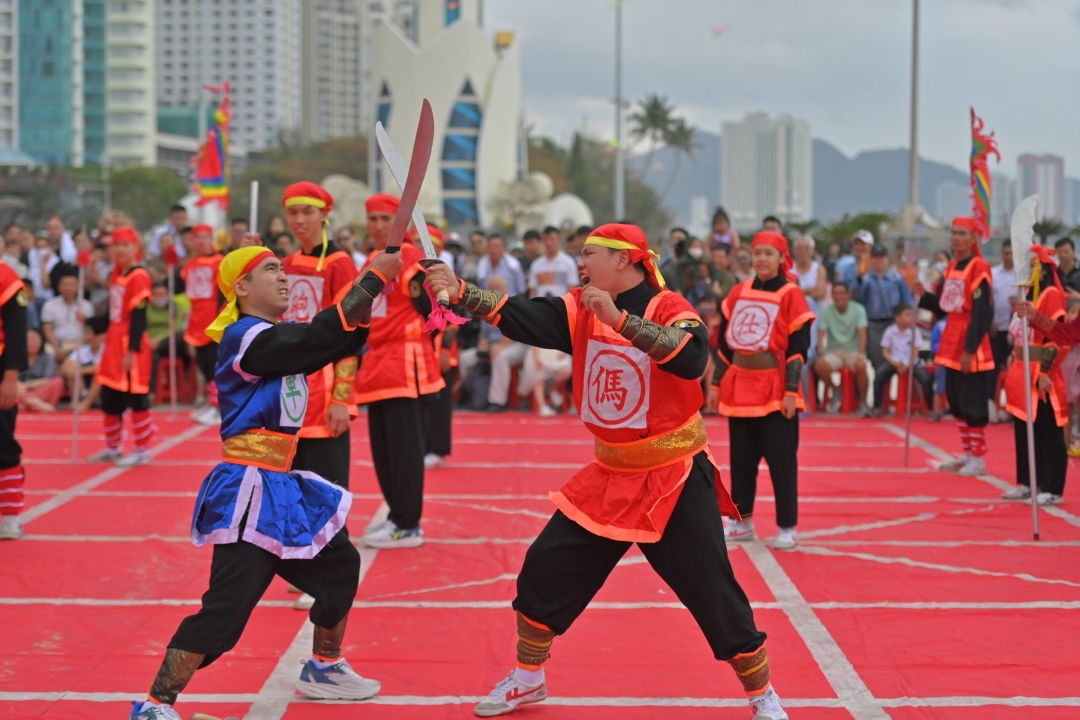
(1023,221)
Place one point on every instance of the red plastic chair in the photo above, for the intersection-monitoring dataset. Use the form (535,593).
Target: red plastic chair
(186,383)
(918,402)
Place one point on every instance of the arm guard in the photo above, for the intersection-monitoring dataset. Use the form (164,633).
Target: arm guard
(718,370)
(344,375)
(1049,352)
(1042,323)
(481,303)
(659,342)
(356,305)
(793,375)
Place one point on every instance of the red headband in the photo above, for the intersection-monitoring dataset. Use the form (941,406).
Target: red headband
(202,229)
(632,239)
(307,193)
(1046,258)
(382,203)
(780,244)
(124,234)
(974,227)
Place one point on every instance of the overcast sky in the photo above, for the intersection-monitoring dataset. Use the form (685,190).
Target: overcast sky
(843,65)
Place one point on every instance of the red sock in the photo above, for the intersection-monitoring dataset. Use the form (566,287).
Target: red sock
(114,431)
(965,435)
(978,441)
(11,496)
(142,428)
(211,393)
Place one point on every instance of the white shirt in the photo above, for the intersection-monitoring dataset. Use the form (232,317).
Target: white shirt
(154,246)
(67,327)
(553,276)
(1004,287)
(37,256)
(898,342)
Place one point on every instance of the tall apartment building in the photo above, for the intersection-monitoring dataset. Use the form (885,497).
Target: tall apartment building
(1045,175)
(129,81)
(255,45)
(766,168)
(374,13)
(94,94)
(331,59)
(9,74)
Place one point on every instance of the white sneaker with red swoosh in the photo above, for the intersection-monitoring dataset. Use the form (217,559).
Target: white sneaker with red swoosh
(507,695)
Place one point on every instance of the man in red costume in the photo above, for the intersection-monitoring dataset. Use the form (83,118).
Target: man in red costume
(639,351)
(964,294)
(13,360)
(124,370)
(200,276)
(399,376)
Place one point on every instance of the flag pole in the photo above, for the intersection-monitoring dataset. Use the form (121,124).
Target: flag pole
(1030,432)
(254,222)
(910,387)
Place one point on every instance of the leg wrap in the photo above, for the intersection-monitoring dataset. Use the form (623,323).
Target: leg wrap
(142,428)
(174,675)
(211,393)
(327,643)
(534,643)
(965,435)
(753,671)
(114,431)
(11,490)
(977,439)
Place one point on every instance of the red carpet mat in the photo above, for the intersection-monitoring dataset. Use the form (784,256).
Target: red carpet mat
(914,594)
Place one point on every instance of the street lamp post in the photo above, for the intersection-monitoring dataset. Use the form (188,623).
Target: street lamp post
(913,158)
(620,170)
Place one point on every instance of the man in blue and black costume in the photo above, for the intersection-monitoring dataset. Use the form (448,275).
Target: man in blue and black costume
(262,519)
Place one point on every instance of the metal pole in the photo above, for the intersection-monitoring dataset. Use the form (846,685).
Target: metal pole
(1030,432)
(253,223)
(913,159)
(204,52)
(620,171)
(910,387)
(77,384)
(172,342)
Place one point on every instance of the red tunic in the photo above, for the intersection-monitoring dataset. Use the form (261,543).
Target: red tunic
(1051,304)
(200,281)
(126,293)
(646,424)
(760,321)
(957,292)
(311,291)
(401,360)
(10,283)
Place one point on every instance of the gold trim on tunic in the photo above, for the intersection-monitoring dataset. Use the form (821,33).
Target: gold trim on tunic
(261,448)
(653,452)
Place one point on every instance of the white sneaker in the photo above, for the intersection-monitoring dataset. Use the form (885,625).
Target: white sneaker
(767,707)
(546,411)
(105,455)
(556,398)
(1043,498)
(143,710)
(973,468)
(10,527)
(507,695)
(787,539)
(373,528)
(207,415)
(137,457)
(955,464)
(391,537)
(304,602)
(293,589)
(740,530)
(337,682)
(1020,492)
(431,460)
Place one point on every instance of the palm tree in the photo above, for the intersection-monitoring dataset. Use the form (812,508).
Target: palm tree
(651,120)
(679,136)
(1048,228)
(804,228)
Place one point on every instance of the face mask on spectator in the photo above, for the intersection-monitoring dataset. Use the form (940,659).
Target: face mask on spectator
(160,303)
(695,252)
(940,266)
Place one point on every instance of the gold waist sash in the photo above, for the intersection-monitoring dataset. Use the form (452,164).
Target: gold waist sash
(1036,353)
(261,448)
(653,452)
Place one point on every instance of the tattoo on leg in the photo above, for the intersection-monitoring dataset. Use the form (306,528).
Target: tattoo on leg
(175,673)
(327,643)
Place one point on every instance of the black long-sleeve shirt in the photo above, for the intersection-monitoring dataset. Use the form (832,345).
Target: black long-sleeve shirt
(982,308)
(798,341)
(542,322)
(13,313)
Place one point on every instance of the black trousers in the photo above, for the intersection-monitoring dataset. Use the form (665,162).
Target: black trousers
(967,396)
(115,402)
(397,428)
(441,417)
(1000,349)
(1051,458)
(10,449)
(884,373)
(239,575)
(206,357)
(329,458)
(776,439)
(875,330)
(567,565)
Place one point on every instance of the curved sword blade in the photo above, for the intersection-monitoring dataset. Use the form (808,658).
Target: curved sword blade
(425,134)
(397,169)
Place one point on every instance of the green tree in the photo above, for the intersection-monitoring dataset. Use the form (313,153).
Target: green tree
(843,229)
(146,193)
(804,228)
(1050,228)
(678,136)
(652,120)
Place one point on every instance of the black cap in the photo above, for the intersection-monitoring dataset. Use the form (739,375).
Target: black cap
(879,251)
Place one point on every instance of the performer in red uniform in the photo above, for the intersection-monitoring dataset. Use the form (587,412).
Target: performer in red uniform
(1049,404)
(638,353)
(964,294)
(441,412)
(124,370)
(762,341)
(399,376)
(200,284)
(320,275)
(13,360)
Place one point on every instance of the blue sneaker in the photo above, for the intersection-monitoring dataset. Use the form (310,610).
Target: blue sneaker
(390,536)
(337,682)
(152,711)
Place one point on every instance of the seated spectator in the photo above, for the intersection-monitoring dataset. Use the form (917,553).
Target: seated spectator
(842,344)
(83,362)
(542,366)
(40,388)
(505,356)
(939,373)
(722,277)
(42,259)
(899,354)
(63,318)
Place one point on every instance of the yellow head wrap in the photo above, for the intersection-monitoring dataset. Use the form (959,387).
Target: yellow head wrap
(236,265)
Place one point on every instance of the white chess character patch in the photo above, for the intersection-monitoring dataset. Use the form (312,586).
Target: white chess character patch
(294,400)
(116,302)
(616,392)
(952,295)
(305,298)
(751,325)
(1016,331)
(200,283)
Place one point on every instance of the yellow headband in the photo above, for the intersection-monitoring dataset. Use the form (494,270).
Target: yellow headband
(650,260)
(235,266)
(303,200)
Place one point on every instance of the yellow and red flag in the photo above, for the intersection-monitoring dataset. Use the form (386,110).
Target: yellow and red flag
(983,145)
(212,161)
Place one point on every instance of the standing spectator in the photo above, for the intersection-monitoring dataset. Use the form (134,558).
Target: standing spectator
(1068,270)
(477,251)
(14,233)
(42,260)
(274,227)
(722,277)
(851,267)
(937,268)
(63,317)
(40,387)
(842,343)
(531,248)
(695,274)
(811,273)
(678,241)
(169,233)
(575,242)
(60,239)
(283,245)
(743,268)
(1006,295)
(498,262)
(238,234)
(880,290)
(553,273)
(771,223)
(12,255)
(899,354)
(831,258)
(98,274)
(722,232)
